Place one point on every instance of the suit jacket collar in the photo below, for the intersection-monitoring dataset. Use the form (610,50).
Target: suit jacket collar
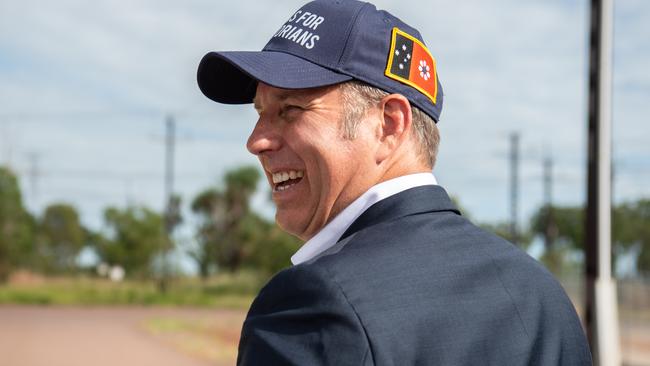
(409,202)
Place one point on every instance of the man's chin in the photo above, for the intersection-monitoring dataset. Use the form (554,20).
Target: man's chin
(302,221)
(289,226)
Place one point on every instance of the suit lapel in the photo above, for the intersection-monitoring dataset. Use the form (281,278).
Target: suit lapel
(409,202)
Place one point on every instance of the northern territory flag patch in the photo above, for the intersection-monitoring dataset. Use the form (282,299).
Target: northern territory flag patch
(410,62)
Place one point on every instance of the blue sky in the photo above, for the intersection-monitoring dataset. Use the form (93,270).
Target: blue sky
(85,88)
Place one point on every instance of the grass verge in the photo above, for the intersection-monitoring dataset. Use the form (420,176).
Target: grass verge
(226,291)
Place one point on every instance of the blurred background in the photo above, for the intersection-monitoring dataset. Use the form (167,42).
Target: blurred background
(131,212)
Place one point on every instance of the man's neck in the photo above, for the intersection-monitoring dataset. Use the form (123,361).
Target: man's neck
(331,232)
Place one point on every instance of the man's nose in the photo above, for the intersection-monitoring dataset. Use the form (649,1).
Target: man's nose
(263,138)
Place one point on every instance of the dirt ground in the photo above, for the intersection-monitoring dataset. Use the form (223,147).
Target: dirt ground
(73,336)
(76,336)
(635,343)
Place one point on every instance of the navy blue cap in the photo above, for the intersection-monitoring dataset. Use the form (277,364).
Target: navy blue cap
(327,42)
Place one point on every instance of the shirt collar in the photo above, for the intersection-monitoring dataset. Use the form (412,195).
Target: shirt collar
(330,233)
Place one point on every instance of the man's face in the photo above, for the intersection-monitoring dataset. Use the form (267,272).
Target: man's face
(314,172)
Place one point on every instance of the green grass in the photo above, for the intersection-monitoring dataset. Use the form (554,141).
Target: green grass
(229,291)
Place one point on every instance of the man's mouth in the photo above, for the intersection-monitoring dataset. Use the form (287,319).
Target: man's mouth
(286,179)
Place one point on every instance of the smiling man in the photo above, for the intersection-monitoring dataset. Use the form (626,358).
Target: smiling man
(348,98)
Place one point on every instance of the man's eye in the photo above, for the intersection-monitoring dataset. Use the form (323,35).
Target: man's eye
(290,110)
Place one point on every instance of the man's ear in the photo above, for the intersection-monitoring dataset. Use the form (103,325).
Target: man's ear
(396,120)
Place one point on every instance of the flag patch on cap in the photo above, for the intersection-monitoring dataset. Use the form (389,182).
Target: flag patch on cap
(410,62)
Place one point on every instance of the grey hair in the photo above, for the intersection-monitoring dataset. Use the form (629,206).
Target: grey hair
(358,97)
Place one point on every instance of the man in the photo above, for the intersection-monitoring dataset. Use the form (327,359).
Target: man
(348,99)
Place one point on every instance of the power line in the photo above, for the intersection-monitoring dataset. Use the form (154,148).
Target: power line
(72,115)
(75,116)
(90,174)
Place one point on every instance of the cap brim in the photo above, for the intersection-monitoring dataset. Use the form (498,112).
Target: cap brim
(231,77)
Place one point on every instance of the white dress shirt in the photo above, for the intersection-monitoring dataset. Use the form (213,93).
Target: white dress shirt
(330,233)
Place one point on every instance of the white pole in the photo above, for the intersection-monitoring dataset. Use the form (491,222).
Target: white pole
(606,341)
(605,142)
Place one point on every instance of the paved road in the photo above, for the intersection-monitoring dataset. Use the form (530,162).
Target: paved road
(61,336)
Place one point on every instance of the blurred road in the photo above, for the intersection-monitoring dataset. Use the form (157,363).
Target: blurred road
(72,336)
(636,343)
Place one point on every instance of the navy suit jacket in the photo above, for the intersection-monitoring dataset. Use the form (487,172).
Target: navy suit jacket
(412,282)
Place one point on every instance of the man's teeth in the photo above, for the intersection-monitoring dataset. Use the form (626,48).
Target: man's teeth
(280,177)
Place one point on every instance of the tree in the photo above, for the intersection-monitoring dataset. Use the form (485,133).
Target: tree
(631,227)
(210,206)
(136,237)
(270,247)
(262,245)
(220,236)
(563,231)
(61,237)
(241,183)
(569,223)
(16,226)
(172,218)
(503,229)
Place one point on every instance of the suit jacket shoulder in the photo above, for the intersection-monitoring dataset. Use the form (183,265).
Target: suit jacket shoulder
(302,317)
(414,283)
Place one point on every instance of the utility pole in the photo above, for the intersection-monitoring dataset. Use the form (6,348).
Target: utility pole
(601,306)
(169,207)
(514,186)
(554,259)
(547,166)
(34,175)
(551,230)
(170,128)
